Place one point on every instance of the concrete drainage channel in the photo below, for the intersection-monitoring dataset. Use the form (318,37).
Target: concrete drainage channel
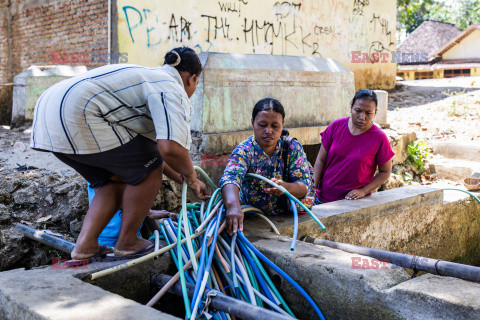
(455,160)
(413,220)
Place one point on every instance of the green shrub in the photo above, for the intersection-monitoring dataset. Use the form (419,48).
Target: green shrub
(418,151)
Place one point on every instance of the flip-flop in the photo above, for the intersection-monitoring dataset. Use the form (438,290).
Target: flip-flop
(137,254)
(100,256)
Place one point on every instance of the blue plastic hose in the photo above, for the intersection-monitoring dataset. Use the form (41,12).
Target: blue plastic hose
(283,274)
(285,191)
(195,299)
(295,225)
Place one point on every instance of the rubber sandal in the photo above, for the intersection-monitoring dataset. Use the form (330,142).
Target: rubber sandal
(100,256)
(140,253)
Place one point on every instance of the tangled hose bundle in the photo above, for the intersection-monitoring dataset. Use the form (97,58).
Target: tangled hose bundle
(216,261)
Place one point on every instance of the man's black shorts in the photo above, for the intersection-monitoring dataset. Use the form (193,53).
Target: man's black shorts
(132,162)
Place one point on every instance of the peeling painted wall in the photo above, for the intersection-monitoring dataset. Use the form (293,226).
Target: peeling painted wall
(312,28)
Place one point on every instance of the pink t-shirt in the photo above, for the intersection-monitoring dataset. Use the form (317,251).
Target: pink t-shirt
(351,160)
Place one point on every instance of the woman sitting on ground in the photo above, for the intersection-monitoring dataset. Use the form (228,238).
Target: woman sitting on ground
(352,149)
(262,154)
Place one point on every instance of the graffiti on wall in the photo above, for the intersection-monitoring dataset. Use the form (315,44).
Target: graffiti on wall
(313,28)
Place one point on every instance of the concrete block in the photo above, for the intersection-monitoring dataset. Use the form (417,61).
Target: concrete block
(454,169)
(373,217)
(399,143)
(435,297)
(469,151)
(382,107)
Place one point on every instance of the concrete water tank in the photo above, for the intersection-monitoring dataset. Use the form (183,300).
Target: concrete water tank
(313,91)
(31,83)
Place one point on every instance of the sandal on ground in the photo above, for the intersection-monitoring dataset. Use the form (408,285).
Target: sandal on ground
(100,256)
(137,254)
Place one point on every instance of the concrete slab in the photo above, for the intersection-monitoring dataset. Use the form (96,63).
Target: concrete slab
(51,293)
(376,205)
(327,276)
(454,169)
(435,297)
(344,291)
(413,220)
(384,198)
(461,150)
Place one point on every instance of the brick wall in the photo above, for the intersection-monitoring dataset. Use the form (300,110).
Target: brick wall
(51,32)
(5,90)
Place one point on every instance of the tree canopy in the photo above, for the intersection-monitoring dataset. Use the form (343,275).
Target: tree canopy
(411,13)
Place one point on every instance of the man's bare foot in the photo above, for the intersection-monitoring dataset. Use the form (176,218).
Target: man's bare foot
(84,252)
(122,249)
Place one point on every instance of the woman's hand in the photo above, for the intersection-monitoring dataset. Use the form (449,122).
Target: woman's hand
(178,161)
(199,189)
(234,219)
(159,214)
(356,194)
(297,189)
(275,191)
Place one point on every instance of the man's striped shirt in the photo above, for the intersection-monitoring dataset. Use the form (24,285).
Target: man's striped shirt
(108,106)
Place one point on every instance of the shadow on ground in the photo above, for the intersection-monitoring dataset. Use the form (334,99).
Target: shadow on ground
(405,96)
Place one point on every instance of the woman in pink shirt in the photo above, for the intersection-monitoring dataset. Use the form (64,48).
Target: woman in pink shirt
(352,149)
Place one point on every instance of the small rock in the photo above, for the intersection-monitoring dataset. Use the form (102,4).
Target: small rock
(33,175)
(75,227)
(49,199)
(5,215)
(5,196)
(27,195)
(64,188)
(395,181)
(172,201)
(38,258)
(44,219)
(19,146)
(14,248)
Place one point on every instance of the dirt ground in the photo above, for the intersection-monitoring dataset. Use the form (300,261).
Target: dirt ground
(437,109)
(39,190)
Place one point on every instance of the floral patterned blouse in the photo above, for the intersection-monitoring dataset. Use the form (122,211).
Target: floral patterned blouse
(248,157)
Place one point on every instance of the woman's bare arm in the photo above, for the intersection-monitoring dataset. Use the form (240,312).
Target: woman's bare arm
(234,215)
(383,174)
(298,189)
(319,166)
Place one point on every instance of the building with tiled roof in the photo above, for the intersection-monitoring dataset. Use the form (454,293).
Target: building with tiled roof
(446,51)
